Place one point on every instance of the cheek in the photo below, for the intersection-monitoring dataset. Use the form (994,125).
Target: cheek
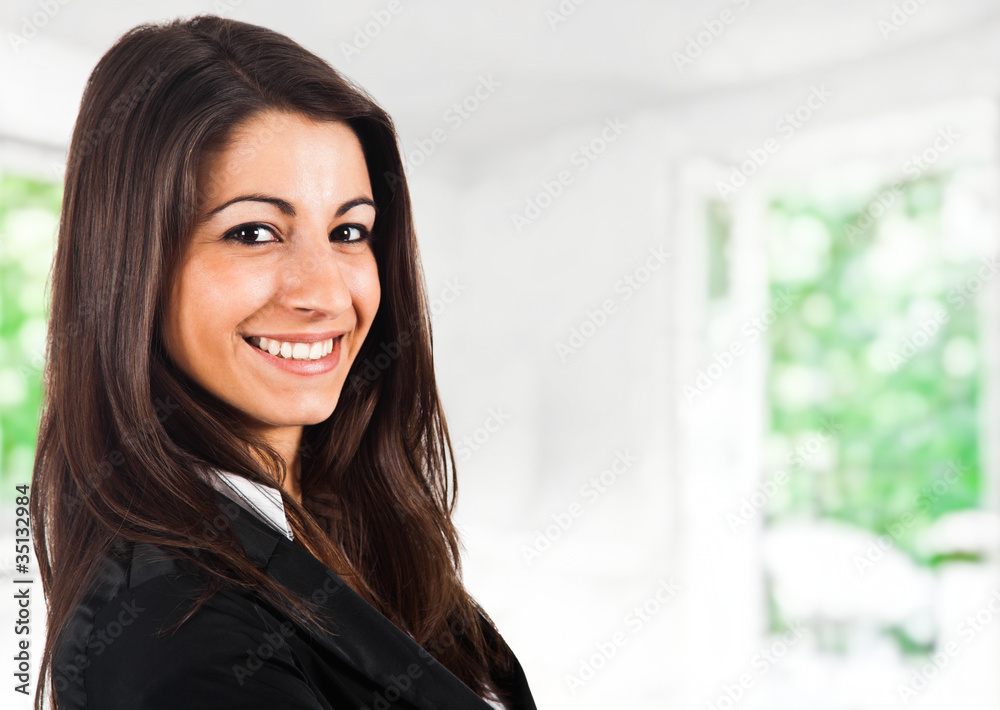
(228,291)
(365,290)
(187,322)
(224,284)
(208,303)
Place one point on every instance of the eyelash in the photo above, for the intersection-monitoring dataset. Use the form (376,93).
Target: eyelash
(233,234)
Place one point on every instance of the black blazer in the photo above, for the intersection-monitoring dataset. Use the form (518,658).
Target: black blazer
(239,652)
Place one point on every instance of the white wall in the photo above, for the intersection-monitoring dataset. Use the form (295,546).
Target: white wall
(521,293)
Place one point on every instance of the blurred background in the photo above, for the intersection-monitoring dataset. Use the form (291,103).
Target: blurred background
(715,316)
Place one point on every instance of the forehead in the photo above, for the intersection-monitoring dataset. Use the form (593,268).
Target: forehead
(289,153)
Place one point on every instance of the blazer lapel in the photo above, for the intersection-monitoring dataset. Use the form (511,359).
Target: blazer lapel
(361,635)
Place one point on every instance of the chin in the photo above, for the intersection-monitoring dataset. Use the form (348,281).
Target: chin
(302,416)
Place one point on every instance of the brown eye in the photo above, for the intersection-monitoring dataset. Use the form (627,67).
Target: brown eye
(251,234)
(349,233)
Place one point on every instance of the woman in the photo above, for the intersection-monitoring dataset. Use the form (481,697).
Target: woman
(243,488)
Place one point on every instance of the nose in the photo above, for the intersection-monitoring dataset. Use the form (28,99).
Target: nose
(313,280)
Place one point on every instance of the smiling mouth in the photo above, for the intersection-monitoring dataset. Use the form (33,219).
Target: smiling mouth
(287,350)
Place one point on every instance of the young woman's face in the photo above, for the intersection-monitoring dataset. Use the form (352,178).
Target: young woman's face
(277,286)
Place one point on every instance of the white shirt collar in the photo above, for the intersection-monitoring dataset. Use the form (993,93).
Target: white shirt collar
(263,501)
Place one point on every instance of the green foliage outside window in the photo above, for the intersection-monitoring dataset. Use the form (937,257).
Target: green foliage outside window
(29,213)
(882,342)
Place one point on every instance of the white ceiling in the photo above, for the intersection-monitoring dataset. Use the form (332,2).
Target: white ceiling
(606,57)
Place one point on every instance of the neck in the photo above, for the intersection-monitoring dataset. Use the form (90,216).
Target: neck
(292,485)
(286,442)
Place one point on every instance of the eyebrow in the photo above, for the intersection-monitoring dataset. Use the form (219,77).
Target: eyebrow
(284,205)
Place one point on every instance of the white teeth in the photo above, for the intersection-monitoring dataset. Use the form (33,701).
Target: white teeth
(294,351)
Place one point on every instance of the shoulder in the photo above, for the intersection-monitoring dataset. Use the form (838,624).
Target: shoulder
(231,652)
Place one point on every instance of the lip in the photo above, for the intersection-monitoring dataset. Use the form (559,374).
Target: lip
(301,367)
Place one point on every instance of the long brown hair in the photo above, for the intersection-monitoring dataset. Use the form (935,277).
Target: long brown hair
(123,431)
